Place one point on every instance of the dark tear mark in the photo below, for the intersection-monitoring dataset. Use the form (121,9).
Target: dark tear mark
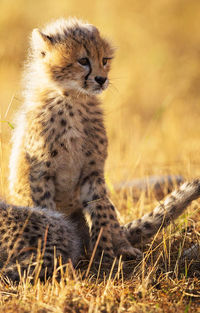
(90,67)
(90,70)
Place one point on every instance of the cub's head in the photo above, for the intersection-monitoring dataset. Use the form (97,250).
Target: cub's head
(73,55)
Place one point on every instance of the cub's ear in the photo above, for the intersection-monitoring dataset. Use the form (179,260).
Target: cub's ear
(41,41)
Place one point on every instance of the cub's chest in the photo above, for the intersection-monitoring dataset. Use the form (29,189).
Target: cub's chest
(67,142)
(66,151)
(62,131)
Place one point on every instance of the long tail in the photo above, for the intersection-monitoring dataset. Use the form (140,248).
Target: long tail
(141,230)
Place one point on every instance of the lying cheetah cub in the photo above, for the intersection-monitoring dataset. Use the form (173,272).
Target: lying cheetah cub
(21,228)
(60,143)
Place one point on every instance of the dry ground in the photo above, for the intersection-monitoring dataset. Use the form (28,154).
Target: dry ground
(152,113)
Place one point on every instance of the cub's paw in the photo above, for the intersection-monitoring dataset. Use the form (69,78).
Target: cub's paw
(129,253)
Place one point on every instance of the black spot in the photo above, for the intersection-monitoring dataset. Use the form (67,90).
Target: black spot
(48,258)
(107,249)
(105,215)
(85,204)
(111,217)
(60,112)
(88,153)
(38,189)
(36,227)
(147,225)
(101,141)
(99,181)
(48,163)
(85,179)
(107,255)
(99,207)
(104,238)
(138,231)
(93,215)
(95,197)
(104,224)
(46,195)
(63,122)
(33,241)
(116,225)
(52,119)
(112,207)
(54,153)
(26,229)
(71,113)
(59,101)
(99,216)
(11,246)
(96,223)
(14,228)
(92,162)
(95,173)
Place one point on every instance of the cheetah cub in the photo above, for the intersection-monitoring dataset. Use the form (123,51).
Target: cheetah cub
(60,142)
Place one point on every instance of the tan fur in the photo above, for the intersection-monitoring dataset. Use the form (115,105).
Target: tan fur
(60,143)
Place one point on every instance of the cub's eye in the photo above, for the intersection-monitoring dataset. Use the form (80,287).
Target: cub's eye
(105,61)
(84,61)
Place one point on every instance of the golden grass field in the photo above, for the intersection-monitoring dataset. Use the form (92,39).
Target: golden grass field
(152,115)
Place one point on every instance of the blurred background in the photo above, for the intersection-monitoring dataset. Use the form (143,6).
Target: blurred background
(152,108)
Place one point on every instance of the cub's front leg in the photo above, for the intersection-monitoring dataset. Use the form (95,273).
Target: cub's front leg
(113,241)
(42,185)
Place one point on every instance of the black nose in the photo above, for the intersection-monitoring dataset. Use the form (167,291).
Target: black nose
(100,80)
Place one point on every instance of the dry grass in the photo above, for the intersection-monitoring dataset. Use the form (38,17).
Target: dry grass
(152,115)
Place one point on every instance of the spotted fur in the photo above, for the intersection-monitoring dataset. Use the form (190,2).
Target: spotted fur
(60,142)
(34,236)
(142,230)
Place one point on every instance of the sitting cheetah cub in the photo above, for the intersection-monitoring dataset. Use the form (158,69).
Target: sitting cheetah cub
(22,228)
(60,143)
